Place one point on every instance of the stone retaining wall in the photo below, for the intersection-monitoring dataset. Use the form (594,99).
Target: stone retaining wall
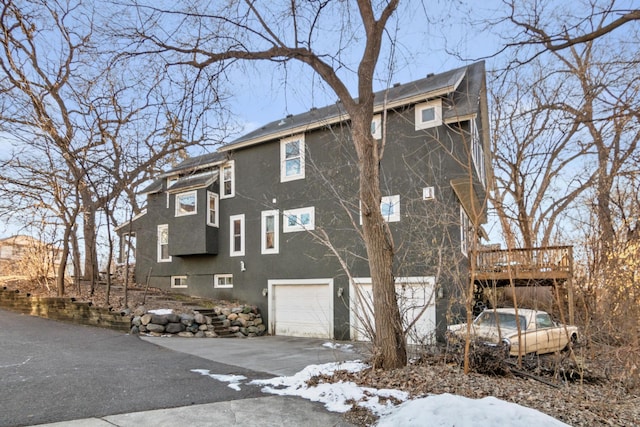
(65,309)
(242,321)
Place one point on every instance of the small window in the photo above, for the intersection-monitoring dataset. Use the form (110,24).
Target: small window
(186,203)
(477,153)
(270,225)
(299,220)
(428,193)
(212,209)
(228,180)
(390,208)
(163,243)
(223,281)
(428,114)
(292,158)
(178,281)
(376,126)
(236,233)
(544,321)
(465,231)
(170,181)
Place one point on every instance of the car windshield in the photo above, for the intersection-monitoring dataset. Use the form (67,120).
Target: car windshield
(504,320)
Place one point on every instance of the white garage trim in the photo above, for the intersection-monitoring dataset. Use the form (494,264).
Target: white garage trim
(324,313)
(419,291)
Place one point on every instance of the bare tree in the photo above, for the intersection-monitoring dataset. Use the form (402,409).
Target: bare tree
(217,35)
(108,123)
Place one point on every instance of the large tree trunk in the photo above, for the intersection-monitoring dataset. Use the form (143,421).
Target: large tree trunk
(90,250)
(389,345)
(63,260)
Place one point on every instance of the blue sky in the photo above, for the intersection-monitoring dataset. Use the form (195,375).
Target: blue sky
(262,93)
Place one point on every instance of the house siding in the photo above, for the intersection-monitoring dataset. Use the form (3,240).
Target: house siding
(427,229)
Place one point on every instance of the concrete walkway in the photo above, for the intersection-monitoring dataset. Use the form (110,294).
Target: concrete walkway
(265,411)
(279,356)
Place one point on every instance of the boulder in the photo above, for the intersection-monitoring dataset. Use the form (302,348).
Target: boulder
(136,321)
(146,319)
(185,334)
(153,327)
(159,319)
(139,311)
(186,319)
(174,328)
(173,318)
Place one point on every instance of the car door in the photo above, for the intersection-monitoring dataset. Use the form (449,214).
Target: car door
(544,332)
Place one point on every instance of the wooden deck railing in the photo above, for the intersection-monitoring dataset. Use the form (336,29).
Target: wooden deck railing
(532,263)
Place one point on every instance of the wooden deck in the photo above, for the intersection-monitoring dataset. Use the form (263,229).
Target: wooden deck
(523,267)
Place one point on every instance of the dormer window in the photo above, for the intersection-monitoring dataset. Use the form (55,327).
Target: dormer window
(428,114)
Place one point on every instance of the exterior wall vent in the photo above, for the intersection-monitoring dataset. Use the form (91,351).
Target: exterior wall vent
(428,193)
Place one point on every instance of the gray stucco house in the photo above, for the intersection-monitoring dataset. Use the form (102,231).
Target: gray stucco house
(272,218)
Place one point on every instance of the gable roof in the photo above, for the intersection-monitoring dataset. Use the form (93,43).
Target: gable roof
(462,86)
(188,166)
(468,79)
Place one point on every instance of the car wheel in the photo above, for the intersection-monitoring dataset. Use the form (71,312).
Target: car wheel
(574,341)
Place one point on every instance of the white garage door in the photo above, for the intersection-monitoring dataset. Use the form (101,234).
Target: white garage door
(301,308)
(416,299)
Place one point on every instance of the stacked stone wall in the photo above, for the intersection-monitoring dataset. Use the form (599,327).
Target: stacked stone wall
(64,309)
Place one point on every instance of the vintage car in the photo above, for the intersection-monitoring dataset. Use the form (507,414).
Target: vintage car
(538,332)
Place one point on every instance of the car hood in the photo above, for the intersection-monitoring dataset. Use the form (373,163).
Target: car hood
(484,333)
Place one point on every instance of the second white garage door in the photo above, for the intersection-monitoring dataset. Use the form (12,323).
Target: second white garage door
(416,300)
(301,308)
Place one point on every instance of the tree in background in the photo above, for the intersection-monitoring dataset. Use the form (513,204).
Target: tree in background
(93,124)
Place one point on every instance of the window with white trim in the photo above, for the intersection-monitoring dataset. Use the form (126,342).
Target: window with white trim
(228,184)
(477,152)
(212,209)
(465,230)
(390,208)
(270,222)
(163,243)
(223,281)
(236,234)
(292,152)
(170,181)
(187,203)
(428,114)
(299,219)
(178,281)
(376,126)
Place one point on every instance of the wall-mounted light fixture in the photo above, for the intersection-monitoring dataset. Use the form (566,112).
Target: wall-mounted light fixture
(440,293)
(340,292)
(242,267)
(265,291)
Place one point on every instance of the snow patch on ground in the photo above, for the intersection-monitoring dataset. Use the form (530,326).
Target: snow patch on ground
(347,348)
(451,410)
(161,311)
(234,380)
(393,406)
